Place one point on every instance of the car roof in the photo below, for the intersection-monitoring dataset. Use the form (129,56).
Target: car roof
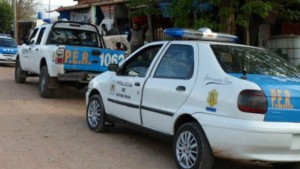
(6,37)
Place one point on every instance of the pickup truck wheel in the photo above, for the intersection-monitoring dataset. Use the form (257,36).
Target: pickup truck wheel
(44,90)
(95,114)
(20,75)
(191,148)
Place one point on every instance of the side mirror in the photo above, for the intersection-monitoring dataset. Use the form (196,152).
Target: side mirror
(113,67)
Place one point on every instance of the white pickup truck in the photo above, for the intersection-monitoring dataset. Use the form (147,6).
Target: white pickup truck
(64,52)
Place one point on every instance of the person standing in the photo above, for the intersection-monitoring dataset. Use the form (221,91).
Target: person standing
(136,37)
(114,30)
(104,29)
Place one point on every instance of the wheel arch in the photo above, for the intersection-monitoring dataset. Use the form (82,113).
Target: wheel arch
(187,118)
(184,118)
(43,63)
(93,92)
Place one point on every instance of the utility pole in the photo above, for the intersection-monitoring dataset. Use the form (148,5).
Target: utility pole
(14,5)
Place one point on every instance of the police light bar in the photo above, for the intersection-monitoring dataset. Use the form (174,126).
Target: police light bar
(48,20)
(200,34)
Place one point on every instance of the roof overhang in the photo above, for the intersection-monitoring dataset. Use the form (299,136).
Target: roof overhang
(82,6)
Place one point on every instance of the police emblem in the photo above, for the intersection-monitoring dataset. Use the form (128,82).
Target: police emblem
(212,98)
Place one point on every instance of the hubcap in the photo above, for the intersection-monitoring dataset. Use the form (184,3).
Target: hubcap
(186,149)
(94,113)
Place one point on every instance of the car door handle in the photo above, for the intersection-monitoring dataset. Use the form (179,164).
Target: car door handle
(36,49)
(180,88)
(137,84)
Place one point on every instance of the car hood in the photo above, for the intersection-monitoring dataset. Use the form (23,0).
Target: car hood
(8,50)
(283,95)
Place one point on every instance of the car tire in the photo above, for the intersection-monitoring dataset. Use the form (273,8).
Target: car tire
(95,114)
(44,90)
(191,148)
(20,75)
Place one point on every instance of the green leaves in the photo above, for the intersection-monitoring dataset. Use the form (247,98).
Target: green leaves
(6,17)
(143,7)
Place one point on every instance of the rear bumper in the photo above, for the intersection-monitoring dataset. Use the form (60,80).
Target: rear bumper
(82,77)
(252,140)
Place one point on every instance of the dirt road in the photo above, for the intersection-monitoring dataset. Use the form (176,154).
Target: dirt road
(41,133)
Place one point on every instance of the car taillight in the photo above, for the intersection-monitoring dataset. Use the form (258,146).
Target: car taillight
(252,101)
(60,54)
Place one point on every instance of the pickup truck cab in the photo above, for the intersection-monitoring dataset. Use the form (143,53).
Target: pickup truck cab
(64,52)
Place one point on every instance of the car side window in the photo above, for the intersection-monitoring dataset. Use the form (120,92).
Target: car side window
(138,65)
(39,39)
(177,63)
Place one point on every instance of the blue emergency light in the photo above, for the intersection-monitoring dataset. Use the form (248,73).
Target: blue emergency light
(200,34)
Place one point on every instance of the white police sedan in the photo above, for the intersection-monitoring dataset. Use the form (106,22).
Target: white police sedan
(215,99)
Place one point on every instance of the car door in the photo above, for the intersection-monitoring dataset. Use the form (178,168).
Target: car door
(36,52)
(26,52)
(126,86)
(169,86)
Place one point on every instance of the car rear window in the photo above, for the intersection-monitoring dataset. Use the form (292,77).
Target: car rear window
(73,37)
(235,59)
(6,42)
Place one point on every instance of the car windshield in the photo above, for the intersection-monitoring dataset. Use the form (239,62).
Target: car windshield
(235,59)
(73,37)
(6,42)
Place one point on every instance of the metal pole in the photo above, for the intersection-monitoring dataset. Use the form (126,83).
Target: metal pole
(49,9)
(14,4)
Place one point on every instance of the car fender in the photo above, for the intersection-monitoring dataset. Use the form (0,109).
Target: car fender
(101,85)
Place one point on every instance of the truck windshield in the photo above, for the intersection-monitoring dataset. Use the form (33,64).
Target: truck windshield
(6,42)
(235,59)
(73,37)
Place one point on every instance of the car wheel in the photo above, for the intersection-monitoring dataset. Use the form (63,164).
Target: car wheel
(44,90)
(20,75)
(95,114)
(191,148)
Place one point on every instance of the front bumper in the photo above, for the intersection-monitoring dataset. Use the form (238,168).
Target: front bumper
(251,140)
(8,58)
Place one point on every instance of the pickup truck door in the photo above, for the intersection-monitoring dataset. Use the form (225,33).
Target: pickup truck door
(26,51)
(126,86)
(36,52)
(169,85)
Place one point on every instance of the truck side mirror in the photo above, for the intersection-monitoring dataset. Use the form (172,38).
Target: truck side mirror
(31,42)
(113,67)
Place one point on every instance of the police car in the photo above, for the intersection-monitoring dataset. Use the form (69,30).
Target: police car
(214,98)
(8,50)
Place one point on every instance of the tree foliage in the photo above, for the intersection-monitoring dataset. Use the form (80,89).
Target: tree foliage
(27,9)
(6,17)
(143,7)
(222,15)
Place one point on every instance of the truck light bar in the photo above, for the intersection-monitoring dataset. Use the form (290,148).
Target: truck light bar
(200,34)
